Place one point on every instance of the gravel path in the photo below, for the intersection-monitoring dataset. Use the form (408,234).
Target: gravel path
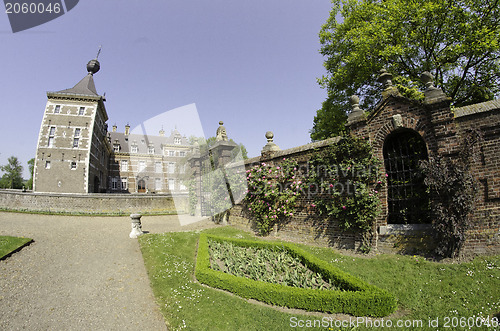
(81,273)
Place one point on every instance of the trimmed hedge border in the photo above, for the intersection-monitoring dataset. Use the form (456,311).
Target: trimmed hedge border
(358,297)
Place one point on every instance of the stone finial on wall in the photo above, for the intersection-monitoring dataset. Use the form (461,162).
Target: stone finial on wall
(270,147)
(432,94)
(221,134)
(357,113)
(385,78)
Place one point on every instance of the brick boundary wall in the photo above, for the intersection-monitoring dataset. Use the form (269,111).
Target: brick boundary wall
(15,200)
(441,133)
(305,226)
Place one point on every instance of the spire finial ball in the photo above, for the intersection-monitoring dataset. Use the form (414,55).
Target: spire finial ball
(93,66)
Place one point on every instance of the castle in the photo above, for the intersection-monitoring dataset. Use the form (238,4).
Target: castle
(76,153)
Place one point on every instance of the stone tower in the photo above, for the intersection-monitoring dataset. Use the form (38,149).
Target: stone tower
(73,150)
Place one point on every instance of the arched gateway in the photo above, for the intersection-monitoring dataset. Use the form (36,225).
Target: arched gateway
(407,198)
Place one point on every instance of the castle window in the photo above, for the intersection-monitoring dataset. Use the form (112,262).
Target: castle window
(57,109)
(52,132)
(182,154)
(114,183)
(124,165)
(73,165)
(158,184)
(81,111)
(177,140)
(171,153)
(171,184)
(171,167)
(76,138)
(157,167)
(47,164)
(142,166)
(124,183)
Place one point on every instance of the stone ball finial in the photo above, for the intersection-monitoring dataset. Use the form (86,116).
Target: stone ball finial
(385,78)
(269,136)
(354,101)
(93,66)
(428,79)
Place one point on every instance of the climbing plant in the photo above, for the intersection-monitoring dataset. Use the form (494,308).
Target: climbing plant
(272,193)
(345,180)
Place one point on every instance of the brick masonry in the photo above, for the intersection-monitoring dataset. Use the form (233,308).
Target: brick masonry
(441,128)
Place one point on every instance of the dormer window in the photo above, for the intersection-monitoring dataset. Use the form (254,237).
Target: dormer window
(177,140)
(134,149)
(151,150)
(116,148)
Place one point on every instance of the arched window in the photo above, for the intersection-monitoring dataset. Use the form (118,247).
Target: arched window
(407,198)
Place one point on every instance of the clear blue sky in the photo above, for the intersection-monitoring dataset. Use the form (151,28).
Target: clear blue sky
(251,63)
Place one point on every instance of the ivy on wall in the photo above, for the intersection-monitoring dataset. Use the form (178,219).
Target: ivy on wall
(341,180)
(346,180)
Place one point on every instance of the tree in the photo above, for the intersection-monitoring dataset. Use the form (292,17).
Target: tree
(205,145)
(458,41)
(31,167)
(12,177)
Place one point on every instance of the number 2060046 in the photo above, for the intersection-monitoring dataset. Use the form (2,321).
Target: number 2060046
(32,8)
(471,322)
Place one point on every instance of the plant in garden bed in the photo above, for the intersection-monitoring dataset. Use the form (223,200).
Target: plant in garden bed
(346,178)
(272,193)
(356,297)
(272,266)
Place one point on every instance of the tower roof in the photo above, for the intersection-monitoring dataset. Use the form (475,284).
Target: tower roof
(86,86)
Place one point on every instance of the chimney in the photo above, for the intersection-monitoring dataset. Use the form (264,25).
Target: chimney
(114,128)
(127,129)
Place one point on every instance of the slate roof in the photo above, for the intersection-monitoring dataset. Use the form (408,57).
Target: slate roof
(144,141)
(84,87)
(477,108)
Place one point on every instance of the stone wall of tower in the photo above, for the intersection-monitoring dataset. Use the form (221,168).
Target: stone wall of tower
(99,153)
(61,164)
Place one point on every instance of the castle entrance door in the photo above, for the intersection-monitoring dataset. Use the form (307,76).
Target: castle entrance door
(141,186)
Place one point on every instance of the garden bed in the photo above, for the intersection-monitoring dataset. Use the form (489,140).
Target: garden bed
(347,294)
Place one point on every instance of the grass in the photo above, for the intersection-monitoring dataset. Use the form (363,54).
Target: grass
(9,245)
(425,290)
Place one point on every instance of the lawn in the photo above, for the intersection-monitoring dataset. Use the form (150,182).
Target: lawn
(427,292)
(11,244)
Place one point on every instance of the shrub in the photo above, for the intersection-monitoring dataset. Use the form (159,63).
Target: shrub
(452,185)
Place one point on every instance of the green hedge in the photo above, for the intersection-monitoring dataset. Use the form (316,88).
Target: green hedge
(357,298)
